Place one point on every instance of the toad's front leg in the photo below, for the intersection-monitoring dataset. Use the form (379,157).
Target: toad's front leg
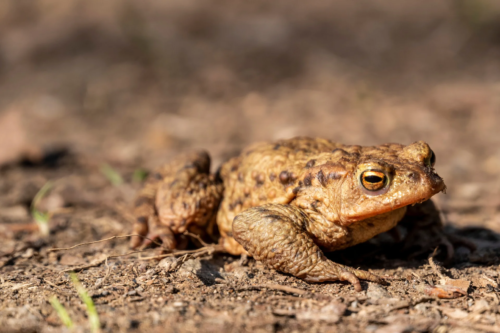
(276,235)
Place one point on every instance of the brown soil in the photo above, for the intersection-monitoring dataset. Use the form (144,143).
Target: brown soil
(88,86)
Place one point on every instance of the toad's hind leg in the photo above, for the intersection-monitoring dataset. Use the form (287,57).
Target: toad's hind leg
(179,196)
(277,235)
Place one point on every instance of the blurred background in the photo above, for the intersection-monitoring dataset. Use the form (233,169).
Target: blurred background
(95,93)
(133,82)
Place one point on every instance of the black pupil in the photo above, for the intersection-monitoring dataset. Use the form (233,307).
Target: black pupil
(433,158)
(373,179)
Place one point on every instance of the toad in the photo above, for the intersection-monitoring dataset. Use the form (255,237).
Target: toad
(285,203)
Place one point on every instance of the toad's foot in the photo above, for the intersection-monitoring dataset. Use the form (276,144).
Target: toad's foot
(180,196)
(276,235)
(159,232)
(425,232)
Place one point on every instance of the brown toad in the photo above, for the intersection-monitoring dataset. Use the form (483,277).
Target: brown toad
(286,202)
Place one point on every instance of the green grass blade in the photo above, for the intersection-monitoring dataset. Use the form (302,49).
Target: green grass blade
(139,175)
(111,174)
(61,312)
(41,218)
(41,194)
(95,325)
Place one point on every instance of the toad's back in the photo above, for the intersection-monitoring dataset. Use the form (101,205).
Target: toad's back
(270,173)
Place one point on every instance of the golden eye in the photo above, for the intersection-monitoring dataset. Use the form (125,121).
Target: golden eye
(373,180)
(431,159)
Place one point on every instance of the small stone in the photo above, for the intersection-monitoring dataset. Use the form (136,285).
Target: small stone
(190,267)
(151,272)
(167,264)
(376,292)
(480,306)
(29,253)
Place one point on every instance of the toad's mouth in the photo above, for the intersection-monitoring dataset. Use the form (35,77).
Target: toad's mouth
(395,200)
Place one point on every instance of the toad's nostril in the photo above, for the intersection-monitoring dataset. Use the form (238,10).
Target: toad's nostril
(413,176)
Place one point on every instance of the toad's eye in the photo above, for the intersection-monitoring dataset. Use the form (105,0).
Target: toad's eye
(431,159)
(373,180)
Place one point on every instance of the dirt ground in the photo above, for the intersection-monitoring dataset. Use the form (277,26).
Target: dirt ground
(94,94)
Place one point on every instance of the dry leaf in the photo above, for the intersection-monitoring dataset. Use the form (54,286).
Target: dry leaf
(441,291)
(483,281)
(454,313)
(459,283)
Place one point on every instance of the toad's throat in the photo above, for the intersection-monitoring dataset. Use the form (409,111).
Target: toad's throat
(368,228)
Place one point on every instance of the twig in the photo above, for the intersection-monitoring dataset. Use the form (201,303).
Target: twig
(20,286)
(291,298)
(434,266)
(201,251)
(181,261)
(51,283)
(99,241)
(286,289)
(59,291)
(97,262)
(97,285)
(197,237)
(416,275)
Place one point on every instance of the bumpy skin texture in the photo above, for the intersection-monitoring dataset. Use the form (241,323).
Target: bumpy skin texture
(290,200)
(179,196)
(279,236)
